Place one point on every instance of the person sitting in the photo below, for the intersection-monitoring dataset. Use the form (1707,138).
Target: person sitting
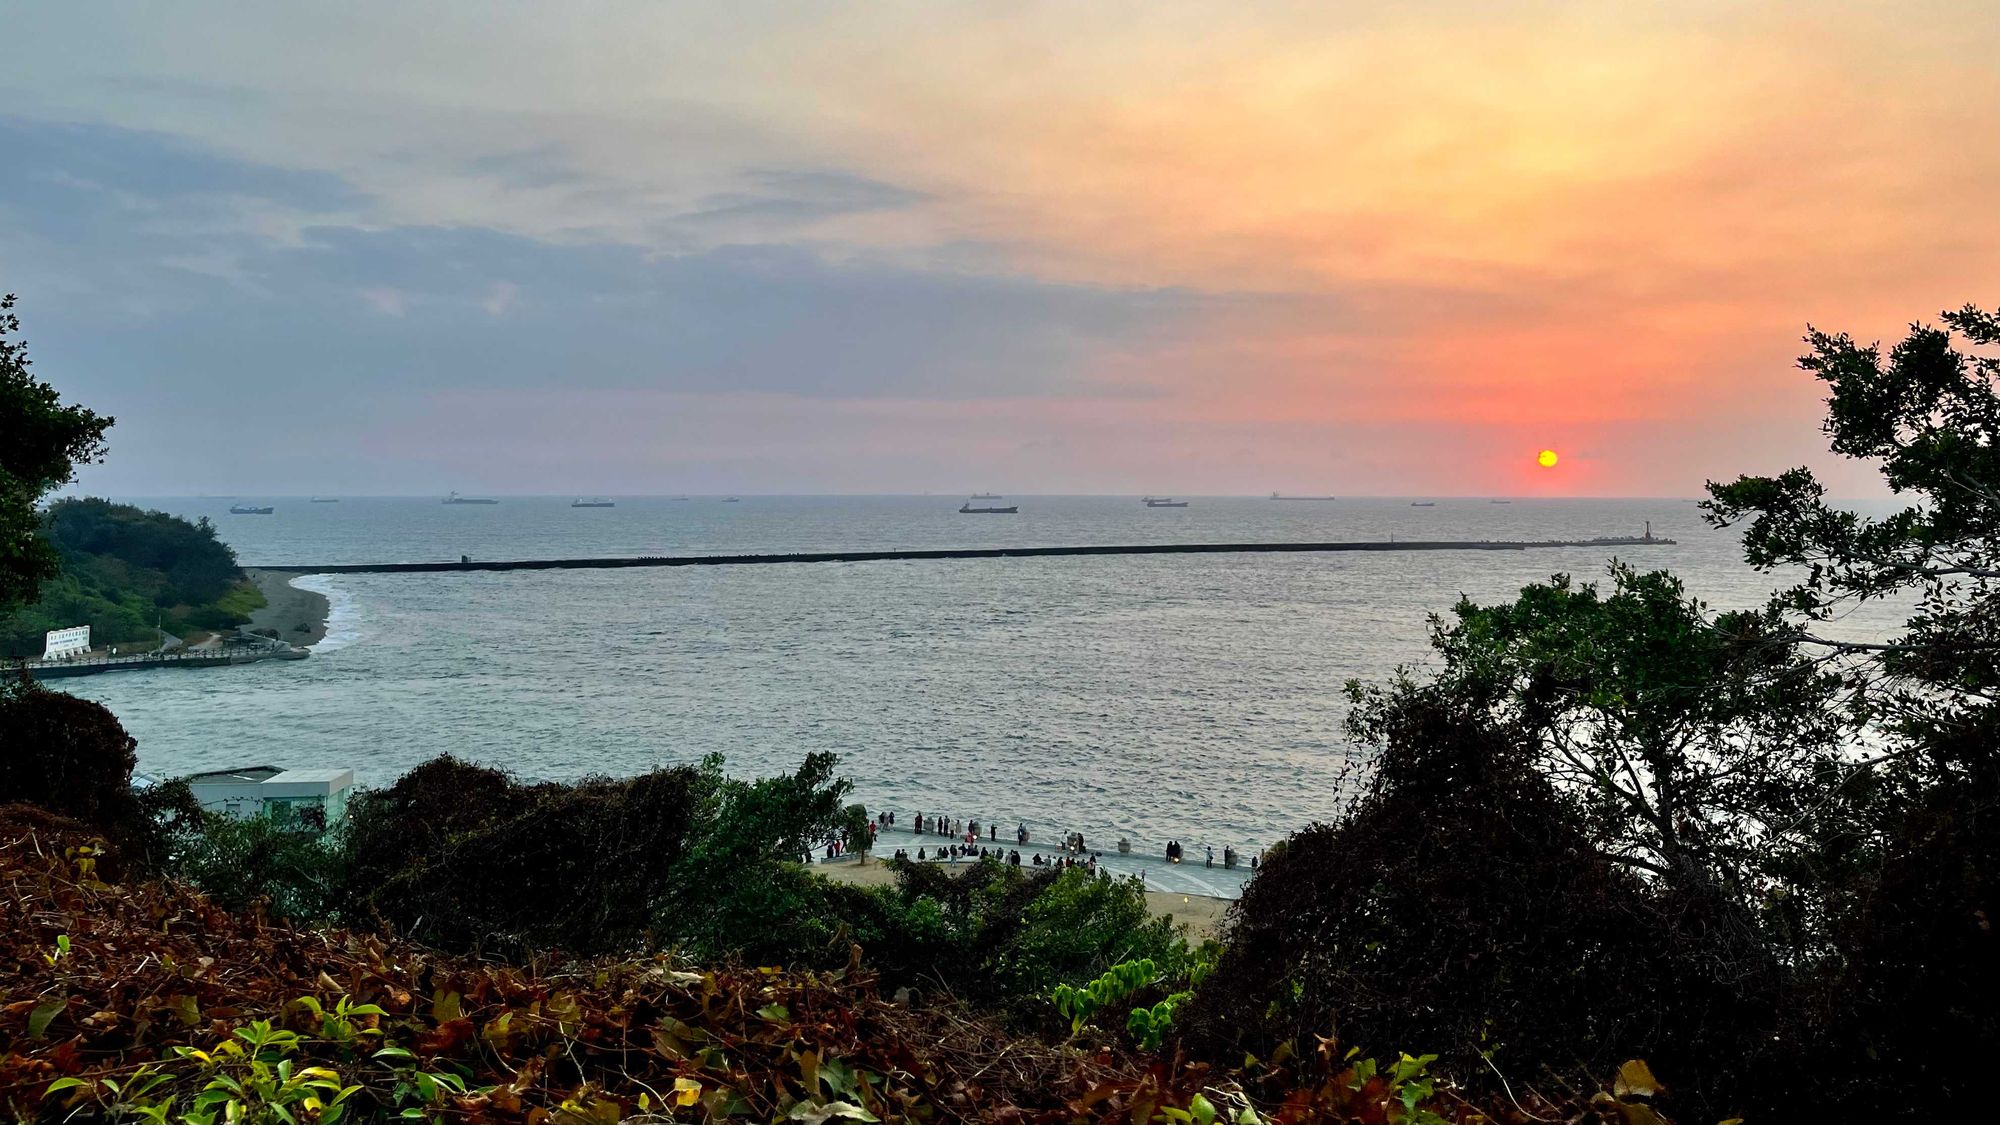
(920,855)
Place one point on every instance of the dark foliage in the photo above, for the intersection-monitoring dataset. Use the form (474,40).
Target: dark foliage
(1461,905)
(1692,740)
(41,444)
(463,857)
(1930,417)
(1898,967)
(104,982)
(1915,964)
(71,757)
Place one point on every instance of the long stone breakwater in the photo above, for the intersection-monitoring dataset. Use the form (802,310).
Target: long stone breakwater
(468,564)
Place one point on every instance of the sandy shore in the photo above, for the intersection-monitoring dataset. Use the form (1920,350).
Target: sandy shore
(298,615)
(1201,914)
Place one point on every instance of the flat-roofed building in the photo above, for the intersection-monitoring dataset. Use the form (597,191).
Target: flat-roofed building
(310,797)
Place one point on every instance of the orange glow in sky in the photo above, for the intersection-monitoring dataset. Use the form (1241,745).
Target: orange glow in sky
(1354,248)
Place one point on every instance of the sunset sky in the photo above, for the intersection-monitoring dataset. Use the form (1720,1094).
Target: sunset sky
(1108,247)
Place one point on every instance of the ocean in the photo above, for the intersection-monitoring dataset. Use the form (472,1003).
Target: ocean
(1189,697)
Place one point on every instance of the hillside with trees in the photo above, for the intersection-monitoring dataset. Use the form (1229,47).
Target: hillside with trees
(124,570)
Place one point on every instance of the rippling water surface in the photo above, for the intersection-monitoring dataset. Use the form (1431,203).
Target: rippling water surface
(1195,697)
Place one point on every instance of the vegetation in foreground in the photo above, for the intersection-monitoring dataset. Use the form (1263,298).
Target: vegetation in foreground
(145,1001)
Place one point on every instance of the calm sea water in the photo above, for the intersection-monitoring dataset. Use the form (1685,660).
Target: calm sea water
(1193,697)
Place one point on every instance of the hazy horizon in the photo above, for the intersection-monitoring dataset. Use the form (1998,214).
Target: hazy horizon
(1108,250)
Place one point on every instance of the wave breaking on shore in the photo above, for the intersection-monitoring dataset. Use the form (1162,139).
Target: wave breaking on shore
(343,618)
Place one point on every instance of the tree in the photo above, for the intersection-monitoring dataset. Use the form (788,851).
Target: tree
(1463,907)
(1694,742)
(42,442)
(854,833)
(1931,416)
(1914,899)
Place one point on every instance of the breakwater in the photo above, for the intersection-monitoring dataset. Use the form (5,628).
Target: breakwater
(143,662)
(468,564)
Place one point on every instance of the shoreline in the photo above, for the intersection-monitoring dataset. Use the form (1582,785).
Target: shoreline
(299,616)
(1201,914)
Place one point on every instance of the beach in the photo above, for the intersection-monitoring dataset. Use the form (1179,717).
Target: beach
(299,616)
(1200,913)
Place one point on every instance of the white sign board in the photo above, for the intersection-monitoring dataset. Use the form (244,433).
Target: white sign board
(66,642)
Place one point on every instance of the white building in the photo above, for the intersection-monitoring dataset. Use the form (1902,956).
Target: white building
(58,643)
(316,797)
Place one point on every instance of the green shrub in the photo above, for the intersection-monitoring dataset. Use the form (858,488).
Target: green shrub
(298,873)
(1004,936)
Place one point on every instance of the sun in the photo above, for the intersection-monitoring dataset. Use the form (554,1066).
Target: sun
(1546,458)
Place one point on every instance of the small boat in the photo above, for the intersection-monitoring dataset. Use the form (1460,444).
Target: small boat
(1275,496)
(455,498)
(677,498)
(326,499)
(592,502)
(247,510)
(1499,501)
(731,500)
(1423,504)
(967,509)
(1163,502)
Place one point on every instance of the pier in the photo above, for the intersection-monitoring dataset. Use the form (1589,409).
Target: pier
(1647,540)
(216,657)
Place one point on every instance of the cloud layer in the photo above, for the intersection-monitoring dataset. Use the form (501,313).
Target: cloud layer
(1055,247)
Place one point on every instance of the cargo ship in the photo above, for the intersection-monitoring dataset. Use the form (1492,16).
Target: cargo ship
(987,510)
(455,498)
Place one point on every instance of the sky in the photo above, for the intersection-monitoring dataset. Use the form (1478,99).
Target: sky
(644,248)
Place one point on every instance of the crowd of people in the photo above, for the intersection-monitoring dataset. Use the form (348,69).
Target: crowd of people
(972,839)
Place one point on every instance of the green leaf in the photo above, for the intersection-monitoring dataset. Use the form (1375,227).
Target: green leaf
(44,1015)
(776,1013)
(812,1114)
